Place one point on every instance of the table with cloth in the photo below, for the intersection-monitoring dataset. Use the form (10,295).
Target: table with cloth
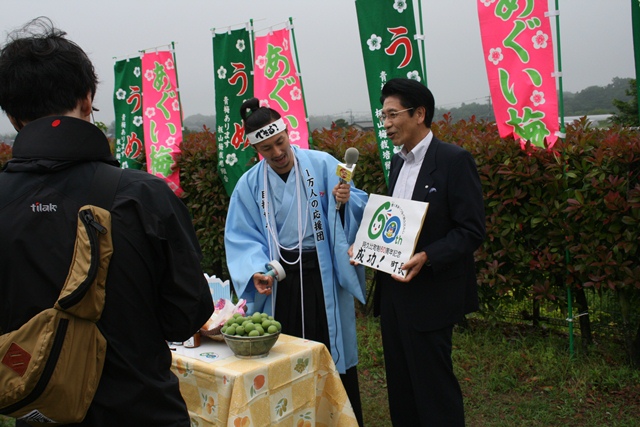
(297,385)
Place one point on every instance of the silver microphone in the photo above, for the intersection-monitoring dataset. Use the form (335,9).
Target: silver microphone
(350,158)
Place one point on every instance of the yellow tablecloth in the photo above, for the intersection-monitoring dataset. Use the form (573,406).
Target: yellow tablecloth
(296,385)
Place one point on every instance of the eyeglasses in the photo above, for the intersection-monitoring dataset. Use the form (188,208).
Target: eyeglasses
(392,115)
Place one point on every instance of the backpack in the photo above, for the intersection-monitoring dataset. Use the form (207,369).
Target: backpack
(51,366)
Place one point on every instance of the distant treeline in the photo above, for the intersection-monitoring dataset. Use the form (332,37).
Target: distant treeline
(589,101)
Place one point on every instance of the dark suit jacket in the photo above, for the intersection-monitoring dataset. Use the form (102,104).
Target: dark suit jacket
(453,229)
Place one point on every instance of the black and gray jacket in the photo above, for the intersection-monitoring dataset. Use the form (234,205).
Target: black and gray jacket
(155,291)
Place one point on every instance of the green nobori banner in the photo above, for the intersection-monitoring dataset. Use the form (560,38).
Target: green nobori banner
(233,65)
(127,103)
(390,49)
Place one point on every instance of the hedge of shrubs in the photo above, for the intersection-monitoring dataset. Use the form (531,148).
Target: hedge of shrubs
(5,153)
(565,216)
(569,215)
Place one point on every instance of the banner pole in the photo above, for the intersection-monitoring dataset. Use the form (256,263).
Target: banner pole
(559,52)
(175,66)
(304,98)
(567,256)
(422,45)
(252,40)
(635,29)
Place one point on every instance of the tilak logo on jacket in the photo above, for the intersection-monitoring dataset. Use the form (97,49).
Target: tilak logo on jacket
(44,207)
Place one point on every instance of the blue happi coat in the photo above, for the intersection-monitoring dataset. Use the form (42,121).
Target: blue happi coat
(249,247)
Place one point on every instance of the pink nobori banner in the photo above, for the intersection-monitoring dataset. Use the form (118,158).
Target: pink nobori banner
(277,83)
(161,116)
(518,50)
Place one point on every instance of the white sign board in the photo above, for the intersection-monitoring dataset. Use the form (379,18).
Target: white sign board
(388,233)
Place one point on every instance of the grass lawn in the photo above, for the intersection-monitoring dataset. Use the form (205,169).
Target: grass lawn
(514,375)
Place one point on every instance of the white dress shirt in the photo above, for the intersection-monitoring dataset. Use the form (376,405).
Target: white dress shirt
(410,168)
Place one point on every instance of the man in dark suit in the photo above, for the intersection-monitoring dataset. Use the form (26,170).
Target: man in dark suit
(418,310)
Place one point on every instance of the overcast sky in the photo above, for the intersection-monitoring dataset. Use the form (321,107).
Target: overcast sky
(596,39)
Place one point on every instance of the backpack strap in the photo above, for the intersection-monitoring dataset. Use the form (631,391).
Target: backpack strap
(93,248)
(104,185)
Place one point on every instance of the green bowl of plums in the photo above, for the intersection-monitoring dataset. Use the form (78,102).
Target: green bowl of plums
(252,336)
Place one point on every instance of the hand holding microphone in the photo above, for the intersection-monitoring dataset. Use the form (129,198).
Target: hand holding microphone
(345,170)
(264,282)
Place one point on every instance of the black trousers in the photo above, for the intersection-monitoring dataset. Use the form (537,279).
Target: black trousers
(423,390)
(289,313)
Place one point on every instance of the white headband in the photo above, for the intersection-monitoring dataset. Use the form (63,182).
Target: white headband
(266,132)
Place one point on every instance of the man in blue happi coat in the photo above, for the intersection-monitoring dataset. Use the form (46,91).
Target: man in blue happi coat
(284,209)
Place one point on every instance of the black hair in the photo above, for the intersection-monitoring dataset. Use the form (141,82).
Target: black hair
(255,117)
(412,94)
(42,73)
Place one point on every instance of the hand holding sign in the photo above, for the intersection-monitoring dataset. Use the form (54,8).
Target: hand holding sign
(388,233)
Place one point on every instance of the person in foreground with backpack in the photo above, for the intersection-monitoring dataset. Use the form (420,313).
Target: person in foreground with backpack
(155,288)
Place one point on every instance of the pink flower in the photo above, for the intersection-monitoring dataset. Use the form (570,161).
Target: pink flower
(537,98)
(540,40)
(495,55)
